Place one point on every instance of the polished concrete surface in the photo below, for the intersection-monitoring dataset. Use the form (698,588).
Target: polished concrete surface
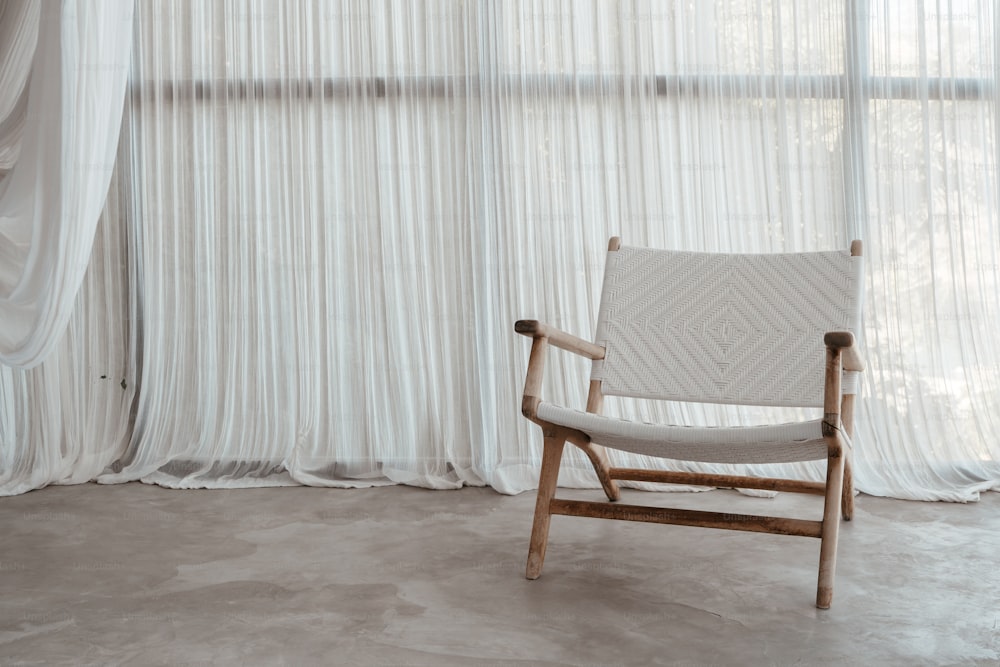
(135,574)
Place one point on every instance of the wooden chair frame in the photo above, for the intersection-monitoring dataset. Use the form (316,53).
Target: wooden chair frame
(838,491)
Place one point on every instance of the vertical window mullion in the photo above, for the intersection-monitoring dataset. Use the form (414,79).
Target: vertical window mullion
(990,88)
(857,84)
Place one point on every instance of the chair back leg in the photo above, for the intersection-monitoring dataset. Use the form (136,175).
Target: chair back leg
(847,417)
(847,496)
(602,466)
(551,458)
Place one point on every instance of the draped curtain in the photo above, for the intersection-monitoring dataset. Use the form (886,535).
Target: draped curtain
(62,80)
(18,37)
(326,216)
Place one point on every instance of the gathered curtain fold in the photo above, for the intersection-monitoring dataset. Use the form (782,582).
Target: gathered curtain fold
(59,131)
(18,36)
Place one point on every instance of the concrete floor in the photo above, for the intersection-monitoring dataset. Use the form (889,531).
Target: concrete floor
(134,574)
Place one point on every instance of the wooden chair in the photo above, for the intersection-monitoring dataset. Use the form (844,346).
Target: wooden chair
(768,329)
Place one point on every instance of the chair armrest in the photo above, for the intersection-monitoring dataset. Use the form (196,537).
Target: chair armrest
(542,335)
(559,338)
(841,355)
(849,355)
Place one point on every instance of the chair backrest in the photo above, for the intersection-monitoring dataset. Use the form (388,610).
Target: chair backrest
(724,328)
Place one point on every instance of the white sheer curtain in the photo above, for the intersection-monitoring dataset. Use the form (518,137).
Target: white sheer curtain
(339,209)
(931,191)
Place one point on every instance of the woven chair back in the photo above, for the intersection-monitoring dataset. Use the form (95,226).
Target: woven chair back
(724,328)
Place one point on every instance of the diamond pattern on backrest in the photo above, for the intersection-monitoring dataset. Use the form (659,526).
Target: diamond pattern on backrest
(721,328)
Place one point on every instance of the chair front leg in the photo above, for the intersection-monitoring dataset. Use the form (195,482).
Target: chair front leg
(551,458)
(831,524)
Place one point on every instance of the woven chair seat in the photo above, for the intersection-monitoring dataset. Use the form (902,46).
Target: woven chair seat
(772,443)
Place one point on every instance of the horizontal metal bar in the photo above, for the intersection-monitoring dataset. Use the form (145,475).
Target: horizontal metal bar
(729,86)
(728,481)
(934,88)
(667,515)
